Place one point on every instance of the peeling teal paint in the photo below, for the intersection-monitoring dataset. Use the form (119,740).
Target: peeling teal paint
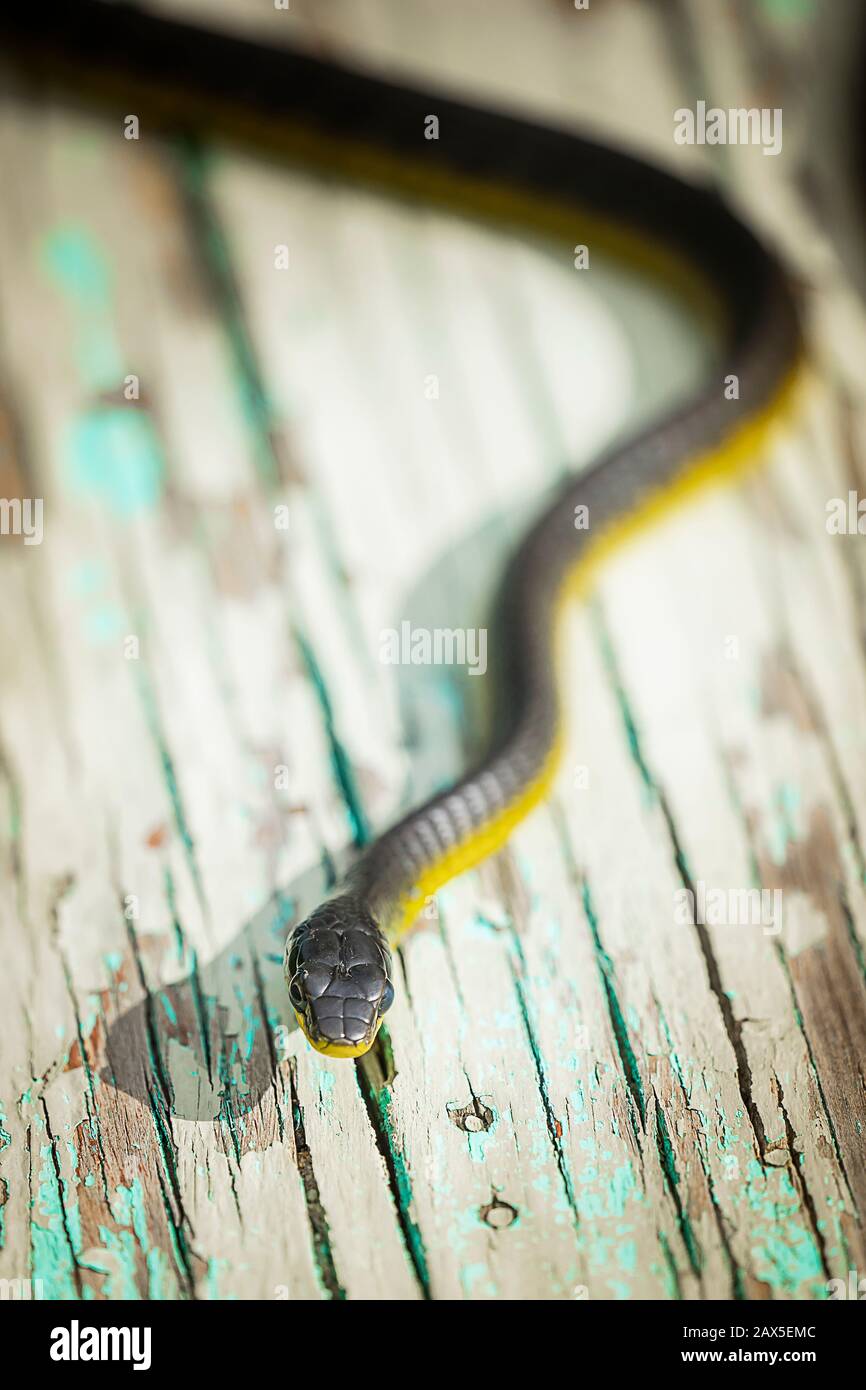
(622,1188)
(787,1258)
(620,1291)
(327,1081)
(118,1270)
(168,1008)
(5,1141)
(215,1267)
(404,1184)
(669,1268)
(74,264)
(53,1251)
(627,1256)
(103,625)
(89,578)
(677,1065)
(782,832)
(114,456)
(112,452)
(475,1282)
(479,1140)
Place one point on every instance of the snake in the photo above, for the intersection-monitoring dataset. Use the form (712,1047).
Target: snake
(550,186)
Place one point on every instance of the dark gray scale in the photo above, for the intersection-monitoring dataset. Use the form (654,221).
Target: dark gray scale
(460,815)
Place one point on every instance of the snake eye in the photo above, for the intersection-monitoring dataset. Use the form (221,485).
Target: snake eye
(296,995)
(387,998)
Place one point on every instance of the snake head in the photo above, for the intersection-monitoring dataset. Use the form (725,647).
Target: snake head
(338,971)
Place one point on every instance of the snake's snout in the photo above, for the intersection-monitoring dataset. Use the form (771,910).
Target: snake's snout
(338,970)
(344,1021)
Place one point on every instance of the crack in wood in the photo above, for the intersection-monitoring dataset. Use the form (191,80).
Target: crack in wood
(731,1023)
(376,1103)
(319,1229)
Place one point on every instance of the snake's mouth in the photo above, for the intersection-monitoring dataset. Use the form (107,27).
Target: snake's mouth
(332,1040)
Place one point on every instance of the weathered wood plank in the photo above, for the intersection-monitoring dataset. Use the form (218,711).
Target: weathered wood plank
(582,1093)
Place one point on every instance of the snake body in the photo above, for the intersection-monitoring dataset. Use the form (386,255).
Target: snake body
(540,182)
